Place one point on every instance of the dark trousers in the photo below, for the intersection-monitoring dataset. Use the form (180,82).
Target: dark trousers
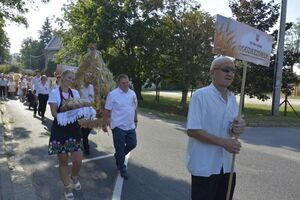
(124,142)
(34,106)
(85,134)
(213,187)
(43,98)
(2,91)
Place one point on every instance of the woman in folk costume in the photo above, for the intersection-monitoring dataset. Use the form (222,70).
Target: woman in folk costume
(65,132)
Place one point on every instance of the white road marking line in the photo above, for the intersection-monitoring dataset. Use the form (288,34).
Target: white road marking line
(119,183)
(90,159)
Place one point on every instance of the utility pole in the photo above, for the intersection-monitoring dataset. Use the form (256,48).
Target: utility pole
(30,67)
(279,61)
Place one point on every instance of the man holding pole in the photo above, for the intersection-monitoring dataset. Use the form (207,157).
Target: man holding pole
(212,122)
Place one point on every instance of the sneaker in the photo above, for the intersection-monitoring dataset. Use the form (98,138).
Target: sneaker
(124,174)
(68,192)
(76,183)
(69,195)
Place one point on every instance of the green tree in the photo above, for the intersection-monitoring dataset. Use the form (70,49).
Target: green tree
(191,49)
(14,10)
(32,51)
(29,48)
(119,28)
(46,33)
(292,45)
(4,44)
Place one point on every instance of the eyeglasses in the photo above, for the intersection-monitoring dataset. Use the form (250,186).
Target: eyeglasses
(226,69)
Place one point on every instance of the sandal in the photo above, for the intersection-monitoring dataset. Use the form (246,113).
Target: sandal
(68,192)
(76,183)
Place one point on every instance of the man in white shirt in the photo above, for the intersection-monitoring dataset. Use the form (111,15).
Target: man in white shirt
(121,110)
(36,80)
(212,119)
(2,86)
(43,90)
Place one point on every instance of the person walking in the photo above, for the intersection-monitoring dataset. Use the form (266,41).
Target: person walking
(121,111)
(212,120)
(42,90)
(65,140)
(86,93)
(3,83)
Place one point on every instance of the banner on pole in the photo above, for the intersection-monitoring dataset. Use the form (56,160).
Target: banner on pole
(241,41)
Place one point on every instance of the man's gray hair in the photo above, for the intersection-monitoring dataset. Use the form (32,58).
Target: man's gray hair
(221,61)
(122,76)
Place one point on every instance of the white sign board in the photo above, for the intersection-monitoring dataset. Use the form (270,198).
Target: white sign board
(241,41)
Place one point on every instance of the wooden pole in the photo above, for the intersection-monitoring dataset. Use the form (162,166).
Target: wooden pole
(235,136)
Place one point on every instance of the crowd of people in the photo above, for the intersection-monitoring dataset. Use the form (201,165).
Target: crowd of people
(212,121)
(32,90)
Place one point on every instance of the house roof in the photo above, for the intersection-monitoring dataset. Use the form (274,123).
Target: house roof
(54,44)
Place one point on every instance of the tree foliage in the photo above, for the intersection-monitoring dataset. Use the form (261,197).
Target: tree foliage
(14,10)
(191,31)
(4,44)
(292,45)
(32,51)
(149,40)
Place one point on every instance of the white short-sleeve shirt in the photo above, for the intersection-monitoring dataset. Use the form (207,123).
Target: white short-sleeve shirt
(122,106)
(54,96)
(208,111)
(87,93)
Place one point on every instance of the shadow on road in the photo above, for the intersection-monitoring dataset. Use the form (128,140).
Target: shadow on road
(98,179)
(274,137)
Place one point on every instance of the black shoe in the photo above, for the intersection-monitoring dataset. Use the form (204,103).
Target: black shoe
(34,115)
(86,152)
(124,174)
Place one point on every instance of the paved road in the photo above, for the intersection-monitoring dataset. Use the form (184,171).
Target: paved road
(268,165)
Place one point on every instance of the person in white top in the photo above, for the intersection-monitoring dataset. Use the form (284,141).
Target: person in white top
(212,119)
(87,93)
(121,110)
(66,141)
(12,87)
(2,86)
(42,91)
(36,80)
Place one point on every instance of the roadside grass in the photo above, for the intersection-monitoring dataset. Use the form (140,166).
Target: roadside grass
(255,114)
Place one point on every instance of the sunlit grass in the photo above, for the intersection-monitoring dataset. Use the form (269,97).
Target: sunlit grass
(255,114)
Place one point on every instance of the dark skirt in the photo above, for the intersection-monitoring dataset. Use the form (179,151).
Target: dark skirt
(65,139)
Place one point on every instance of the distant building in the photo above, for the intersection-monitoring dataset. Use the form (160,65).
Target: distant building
(52,48)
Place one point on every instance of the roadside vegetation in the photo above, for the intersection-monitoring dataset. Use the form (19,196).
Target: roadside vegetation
(255,114)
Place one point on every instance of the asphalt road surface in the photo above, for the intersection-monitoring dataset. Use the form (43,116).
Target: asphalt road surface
(268,165)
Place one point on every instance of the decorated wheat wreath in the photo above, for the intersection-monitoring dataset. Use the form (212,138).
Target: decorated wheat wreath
(94,68)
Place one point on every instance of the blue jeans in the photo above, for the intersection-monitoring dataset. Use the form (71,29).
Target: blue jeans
(124,142)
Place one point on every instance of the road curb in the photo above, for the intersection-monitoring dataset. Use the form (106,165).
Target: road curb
(6,187)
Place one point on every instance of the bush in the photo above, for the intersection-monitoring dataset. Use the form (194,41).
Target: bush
(7,68)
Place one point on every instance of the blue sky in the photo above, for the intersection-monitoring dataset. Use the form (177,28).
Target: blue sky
(38,15)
